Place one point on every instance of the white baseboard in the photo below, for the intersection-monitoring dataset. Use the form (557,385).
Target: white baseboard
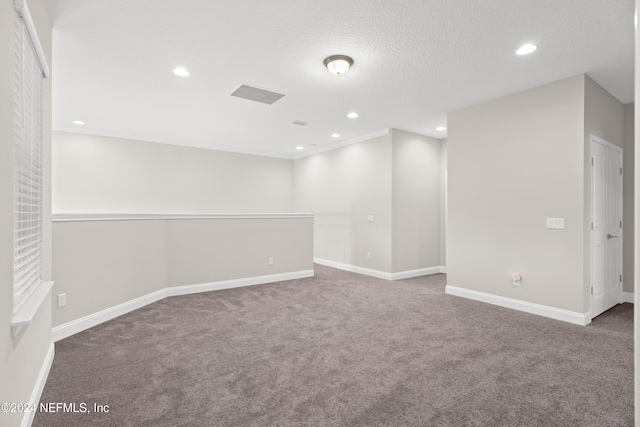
(628,297)
(528,307)
(86,322)
(27,418)
(381,274)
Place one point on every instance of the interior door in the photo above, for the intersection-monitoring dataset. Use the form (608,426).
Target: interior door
(606,225)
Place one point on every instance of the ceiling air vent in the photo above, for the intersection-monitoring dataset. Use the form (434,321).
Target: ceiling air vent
(299,123)
(256,94)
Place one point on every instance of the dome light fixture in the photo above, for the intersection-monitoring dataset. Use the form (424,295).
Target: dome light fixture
(338,64)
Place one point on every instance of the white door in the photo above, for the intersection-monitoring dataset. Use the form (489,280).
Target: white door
(606,225)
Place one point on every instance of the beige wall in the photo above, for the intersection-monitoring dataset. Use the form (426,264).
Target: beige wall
(443,202)
(512,163)
(604,118)
(397,179)
(111,175)
(416,201)
(100,264)
(629,189)
(342,187)
(22,357)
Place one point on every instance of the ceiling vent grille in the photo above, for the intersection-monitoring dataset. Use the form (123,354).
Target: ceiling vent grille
(256,94)
(299,123)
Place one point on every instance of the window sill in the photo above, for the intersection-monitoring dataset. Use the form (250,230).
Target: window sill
(28,311)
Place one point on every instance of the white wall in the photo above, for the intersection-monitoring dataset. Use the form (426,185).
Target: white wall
(112,175)
(511,163)
(22,357)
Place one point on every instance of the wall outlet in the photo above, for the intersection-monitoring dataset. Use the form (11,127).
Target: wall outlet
(62,300)
(555,223)
(270,260)
(368,256)
(371,218)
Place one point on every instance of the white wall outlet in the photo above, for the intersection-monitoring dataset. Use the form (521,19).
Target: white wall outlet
(557,223)
(270,260)
(371,218)
(516,278)
(62,300)
(368,256)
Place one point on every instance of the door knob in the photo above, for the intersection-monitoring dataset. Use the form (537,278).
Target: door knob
(610,236)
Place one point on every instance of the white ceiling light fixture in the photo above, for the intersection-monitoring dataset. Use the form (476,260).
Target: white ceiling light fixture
(181,71)
(335,135)
(441,128)
(338,64)
(352,115)
(78,122)
(299,148)
(526,49)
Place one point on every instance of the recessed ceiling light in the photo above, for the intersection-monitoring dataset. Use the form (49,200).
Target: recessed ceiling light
(335,135)
(181,71)
(78,122)
(441,128)
(299,148)
(352,115)
(526,49)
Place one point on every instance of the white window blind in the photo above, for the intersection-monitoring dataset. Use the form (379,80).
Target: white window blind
(27,166)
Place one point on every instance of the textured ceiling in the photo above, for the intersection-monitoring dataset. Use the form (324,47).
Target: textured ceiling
(414,61)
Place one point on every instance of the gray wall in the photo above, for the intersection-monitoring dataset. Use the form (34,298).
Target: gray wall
(511,163)
(102,174)
(22,357)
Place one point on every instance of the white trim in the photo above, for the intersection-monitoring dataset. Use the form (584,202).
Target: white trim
(22,9)
(86,322)
(605,143)
(380,274)
(36,393)
(28,311)
(628,297)
(333,146)
(528,307)
(69,217)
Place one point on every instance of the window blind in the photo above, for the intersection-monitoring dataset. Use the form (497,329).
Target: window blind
(27,166)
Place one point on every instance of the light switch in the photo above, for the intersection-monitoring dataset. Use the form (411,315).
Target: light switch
(371,218)
(557,223)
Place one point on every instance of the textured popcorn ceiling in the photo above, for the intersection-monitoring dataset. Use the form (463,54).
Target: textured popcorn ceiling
(414,61)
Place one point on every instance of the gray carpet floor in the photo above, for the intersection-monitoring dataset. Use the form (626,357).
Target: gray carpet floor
(342,349)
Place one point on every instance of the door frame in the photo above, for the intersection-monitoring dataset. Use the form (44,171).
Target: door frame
(593,139)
